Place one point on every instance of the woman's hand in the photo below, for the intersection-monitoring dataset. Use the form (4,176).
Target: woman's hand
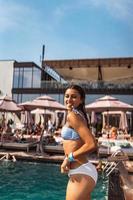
(65,166)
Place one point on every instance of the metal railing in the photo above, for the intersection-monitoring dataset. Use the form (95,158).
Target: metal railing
(114,160)
(87,85)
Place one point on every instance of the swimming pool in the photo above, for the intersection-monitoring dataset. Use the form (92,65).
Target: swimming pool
(39,181)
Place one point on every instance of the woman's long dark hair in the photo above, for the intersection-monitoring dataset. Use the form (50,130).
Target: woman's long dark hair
(81,107)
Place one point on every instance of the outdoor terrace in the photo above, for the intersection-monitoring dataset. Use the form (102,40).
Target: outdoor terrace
(90,87)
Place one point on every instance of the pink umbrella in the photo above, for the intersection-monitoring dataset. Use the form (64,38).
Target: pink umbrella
(7,104)
(108,103)
(43,102)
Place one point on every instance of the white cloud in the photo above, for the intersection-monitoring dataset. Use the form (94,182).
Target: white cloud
(36,26)
(14,15)
(61,11)
(121,9)
(6,16)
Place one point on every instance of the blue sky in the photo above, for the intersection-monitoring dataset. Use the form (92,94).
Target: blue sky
(69,29)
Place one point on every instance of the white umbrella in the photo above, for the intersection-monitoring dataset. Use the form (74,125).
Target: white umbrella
(41,111)
(123,121)
(7,104)
(43,102)
(26,118)
(38,112)
(108,103)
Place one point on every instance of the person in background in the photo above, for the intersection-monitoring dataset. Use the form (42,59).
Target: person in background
(8,157)
(57,137)
(100,166)
(78,141)
(113,133)
(50,126)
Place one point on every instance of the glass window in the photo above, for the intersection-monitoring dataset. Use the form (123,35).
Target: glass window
(17,97)
(27,78)
(29,97)
(36,78)
(14,96)
(16,78)
(21,78)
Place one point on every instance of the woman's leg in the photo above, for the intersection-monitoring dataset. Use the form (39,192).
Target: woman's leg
(79,187)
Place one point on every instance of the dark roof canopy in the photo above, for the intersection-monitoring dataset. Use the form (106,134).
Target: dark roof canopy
(106,69)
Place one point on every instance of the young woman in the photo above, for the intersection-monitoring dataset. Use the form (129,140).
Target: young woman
(77,143)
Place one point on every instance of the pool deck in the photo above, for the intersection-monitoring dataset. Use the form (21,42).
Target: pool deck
(33,156)
(40,157)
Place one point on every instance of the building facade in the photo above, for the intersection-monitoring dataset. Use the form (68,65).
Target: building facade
(22,80)
(6,77)
(26,80)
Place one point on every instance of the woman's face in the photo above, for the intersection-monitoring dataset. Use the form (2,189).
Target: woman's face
(72,99)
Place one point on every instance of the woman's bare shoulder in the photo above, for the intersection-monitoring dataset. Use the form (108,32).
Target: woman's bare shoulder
(74,119)
(72,114)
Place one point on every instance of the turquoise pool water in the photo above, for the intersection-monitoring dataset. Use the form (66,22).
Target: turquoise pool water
(39,181)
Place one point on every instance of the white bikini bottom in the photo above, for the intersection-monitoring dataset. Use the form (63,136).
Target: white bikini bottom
(87,169)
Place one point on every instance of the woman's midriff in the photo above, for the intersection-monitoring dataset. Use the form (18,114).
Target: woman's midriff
(71,146)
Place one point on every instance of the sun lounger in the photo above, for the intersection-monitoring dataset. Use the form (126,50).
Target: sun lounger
(107,147)
(19,146)
(53,149)
(105,151)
